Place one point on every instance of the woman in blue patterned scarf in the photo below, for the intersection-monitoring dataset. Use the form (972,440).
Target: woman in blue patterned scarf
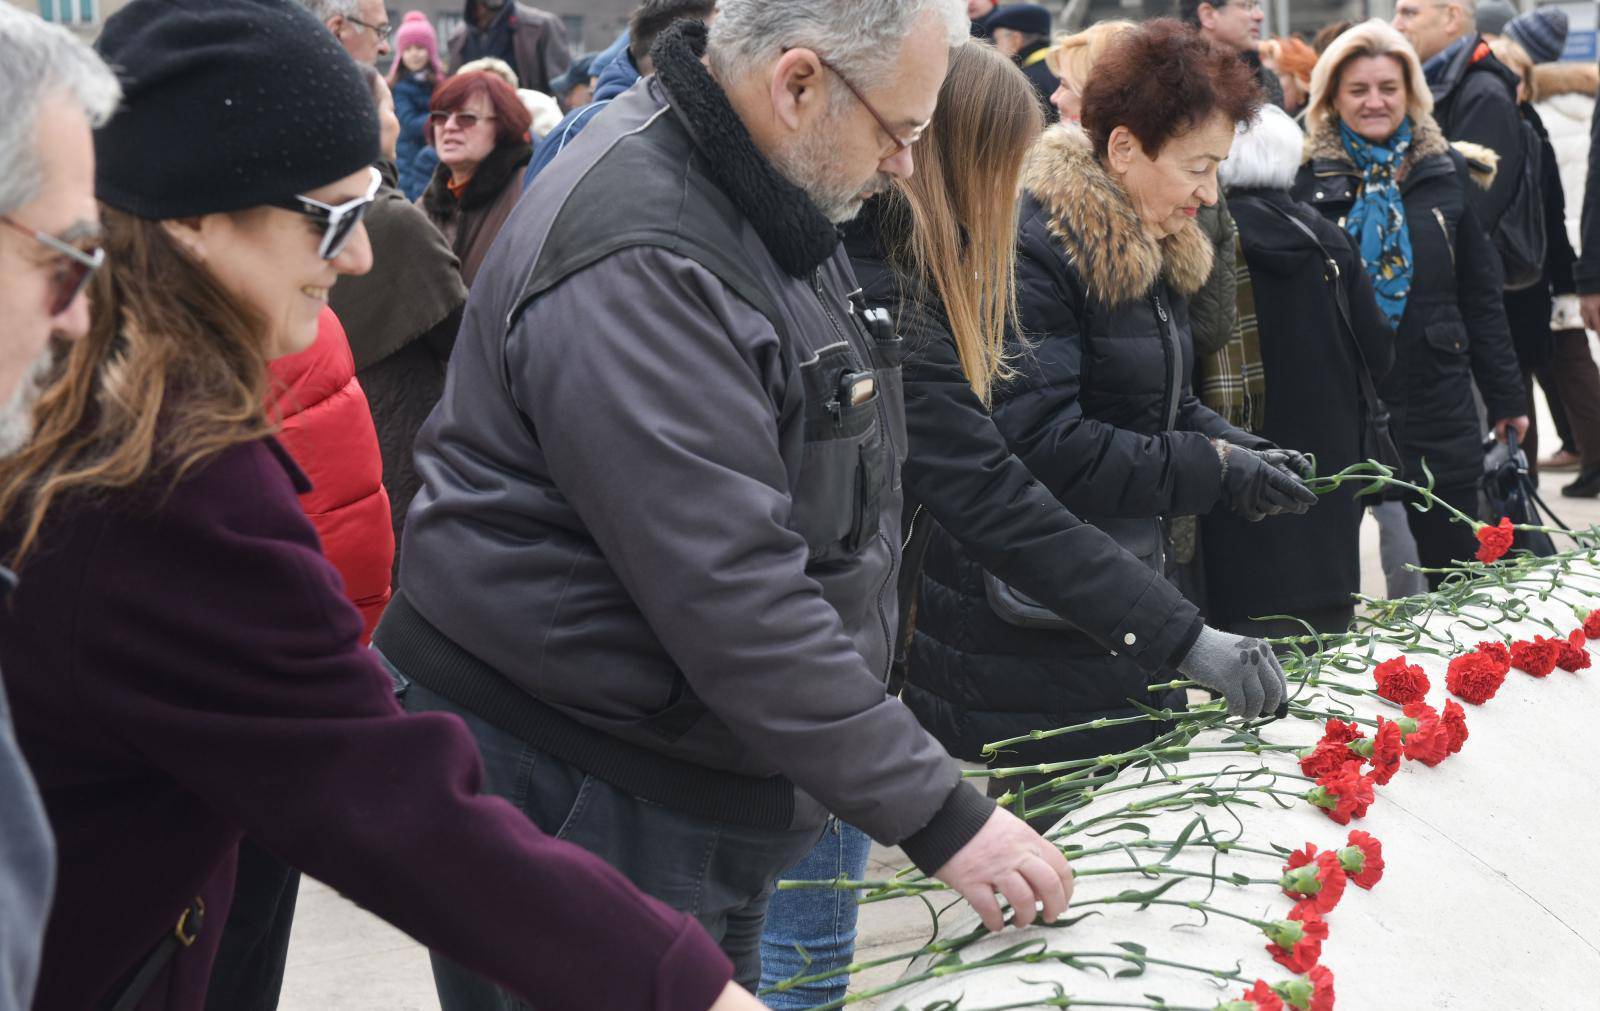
(1378,165)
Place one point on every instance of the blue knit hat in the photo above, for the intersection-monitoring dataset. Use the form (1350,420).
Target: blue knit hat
(1543,33)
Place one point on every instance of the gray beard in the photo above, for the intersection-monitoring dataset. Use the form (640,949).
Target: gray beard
(16,417)
(812,164)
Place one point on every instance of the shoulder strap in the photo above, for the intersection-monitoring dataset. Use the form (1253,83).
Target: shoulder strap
(1331,275)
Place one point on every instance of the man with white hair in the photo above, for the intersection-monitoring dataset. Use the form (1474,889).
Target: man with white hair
(652,560)
(54,90)
(1474,94)
(361,26)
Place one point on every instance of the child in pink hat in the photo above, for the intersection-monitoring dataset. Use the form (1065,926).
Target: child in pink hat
(416,72)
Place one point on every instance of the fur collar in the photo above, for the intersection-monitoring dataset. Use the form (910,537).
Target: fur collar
(1426,139)
(485,186)
(794,231)
(1089,213)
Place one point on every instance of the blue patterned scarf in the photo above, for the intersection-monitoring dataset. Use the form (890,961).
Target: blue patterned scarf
(1377,220)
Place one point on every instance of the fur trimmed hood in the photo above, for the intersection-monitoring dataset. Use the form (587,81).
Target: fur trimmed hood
(1552,79)
(1090,215)
(1427,139)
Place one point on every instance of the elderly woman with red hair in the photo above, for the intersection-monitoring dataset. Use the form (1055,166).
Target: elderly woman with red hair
(480,129)
(1101,412)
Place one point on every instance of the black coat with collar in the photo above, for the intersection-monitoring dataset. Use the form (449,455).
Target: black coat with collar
(1454,328)
(1297,564)
(1475,101)
(964,484)
(1102,416)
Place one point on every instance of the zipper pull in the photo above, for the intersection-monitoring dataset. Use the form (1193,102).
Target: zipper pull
(1161,312)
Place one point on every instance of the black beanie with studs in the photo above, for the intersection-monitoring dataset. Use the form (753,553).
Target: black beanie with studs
(226,105)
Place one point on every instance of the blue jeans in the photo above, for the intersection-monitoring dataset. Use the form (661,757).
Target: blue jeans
(720,873)
(821,922)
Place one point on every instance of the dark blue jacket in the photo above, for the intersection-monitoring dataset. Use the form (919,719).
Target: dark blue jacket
(618,76)
(412,94)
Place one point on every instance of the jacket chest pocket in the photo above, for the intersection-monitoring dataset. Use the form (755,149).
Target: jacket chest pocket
(843,465)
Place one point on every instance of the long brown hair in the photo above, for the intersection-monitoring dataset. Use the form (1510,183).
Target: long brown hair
(962,201)
(172,371)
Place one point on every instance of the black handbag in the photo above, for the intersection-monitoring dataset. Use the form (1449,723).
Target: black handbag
(1509,492)
(1377,441)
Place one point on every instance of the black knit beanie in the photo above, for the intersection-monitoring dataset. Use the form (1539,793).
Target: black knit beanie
(227,104)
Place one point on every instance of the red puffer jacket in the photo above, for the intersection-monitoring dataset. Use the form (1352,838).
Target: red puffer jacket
(327,428)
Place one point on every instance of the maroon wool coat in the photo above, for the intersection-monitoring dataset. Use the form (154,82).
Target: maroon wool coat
(183,671)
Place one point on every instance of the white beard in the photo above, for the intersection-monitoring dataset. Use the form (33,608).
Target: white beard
(16,418)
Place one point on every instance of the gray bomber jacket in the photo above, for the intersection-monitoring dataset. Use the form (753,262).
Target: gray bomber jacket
(653,537)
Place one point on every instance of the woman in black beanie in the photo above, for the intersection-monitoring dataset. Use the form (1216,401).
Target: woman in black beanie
(183,666)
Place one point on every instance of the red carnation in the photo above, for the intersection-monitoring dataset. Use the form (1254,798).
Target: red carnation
(1311,992)
(1591,625)
(1495,541)
(1498,652)
(1258,998)
(1386,751)
(1454,721)
(1316,879)
(1430,742)
(1338,731)
(1537,657)
(1574,655)
(1331,753)
(1401,682)
(1342,794)
(1362,859)
(1297,942)
(1475,677)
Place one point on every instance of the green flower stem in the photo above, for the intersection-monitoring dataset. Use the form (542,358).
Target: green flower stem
(1100,724)
(1030,958)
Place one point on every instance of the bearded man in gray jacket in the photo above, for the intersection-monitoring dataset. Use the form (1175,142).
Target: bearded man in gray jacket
(54,90)
(652,563)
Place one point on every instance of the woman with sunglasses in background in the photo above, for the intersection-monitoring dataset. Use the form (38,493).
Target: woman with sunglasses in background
(480,129)
(184,667)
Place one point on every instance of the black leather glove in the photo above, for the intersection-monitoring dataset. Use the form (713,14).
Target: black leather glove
(1255,488)
(1291,459)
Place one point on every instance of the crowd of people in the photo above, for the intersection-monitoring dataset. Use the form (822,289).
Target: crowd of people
(551,498)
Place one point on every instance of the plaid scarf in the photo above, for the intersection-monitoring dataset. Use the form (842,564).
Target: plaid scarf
(1232,381)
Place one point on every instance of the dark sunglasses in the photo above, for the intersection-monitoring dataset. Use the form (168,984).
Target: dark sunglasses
(465,120)
(338,221)
(72,272)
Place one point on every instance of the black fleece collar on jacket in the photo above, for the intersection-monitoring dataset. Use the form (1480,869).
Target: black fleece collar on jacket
(485,186)
(794,231)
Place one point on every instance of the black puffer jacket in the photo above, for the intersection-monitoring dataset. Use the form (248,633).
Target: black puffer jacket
(1528,310)
(961,478)
(1454,327)
(1297,564)
(1102,416)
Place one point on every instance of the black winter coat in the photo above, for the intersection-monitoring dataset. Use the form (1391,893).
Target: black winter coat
(1454,327)
(1293,564)
(961,478)
(1103,417)
(1475,100)
(1528,310)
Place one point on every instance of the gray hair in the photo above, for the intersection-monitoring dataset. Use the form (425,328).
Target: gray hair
(42,60)
(861,39)
(325,10)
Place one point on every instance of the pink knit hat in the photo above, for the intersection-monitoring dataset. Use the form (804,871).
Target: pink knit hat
(415,30)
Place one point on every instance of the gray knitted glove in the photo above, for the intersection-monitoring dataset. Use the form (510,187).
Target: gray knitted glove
(1242,669)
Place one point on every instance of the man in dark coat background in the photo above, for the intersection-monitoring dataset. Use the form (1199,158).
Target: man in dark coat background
(1022,32)
(1474,94)
(532,41)
(1236,25)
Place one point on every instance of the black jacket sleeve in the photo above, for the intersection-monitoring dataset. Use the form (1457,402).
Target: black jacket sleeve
(1485,112)
(1096,469)
(1586,272)
(961,471)
(1480,280)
